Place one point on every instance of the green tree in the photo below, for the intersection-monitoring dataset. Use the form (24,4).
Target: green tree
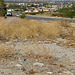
(73,7)
(24,8)
(67,12)
(2,8)
(71,12)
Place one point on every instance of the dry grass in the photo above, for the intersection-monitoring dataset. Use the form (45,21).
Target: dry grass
(16,28)
(38,51)
(6,52)
(67,30)
(64,23)
(74,33)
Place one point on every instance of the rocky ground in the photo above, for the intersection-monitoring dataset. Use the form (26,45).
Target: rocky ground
(37,49)
(37,58)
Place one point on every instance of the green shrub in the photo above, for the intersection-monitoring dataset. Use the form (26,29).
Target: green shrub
(66,12)
(22,16)
(58,14)
(5,16)
(54,14)
(41,12)
(33,13)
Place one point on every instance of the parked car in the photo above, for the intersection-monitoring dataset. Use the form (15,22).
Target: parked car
(9,12)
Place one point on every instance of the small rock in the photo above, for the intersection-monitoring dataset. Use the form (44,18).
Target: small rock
(20,59)
(26,39)
(31,36)
(68,72)
(37,35)
(49,72)
(24,59)
(41,74)
(32,71)
(15,41)
(8,42)
(36,60)
(23,69)
(72,44)
(61,40)
(18,65)
(38,64)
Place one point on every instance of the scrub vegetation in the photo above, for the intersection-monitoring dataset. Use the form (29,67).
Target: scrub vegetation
(14,28)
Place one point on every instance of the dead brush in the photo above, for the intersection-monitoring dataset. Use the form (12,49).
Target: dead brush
(74,34)
(64,23)
(16,27)
(6,52)
(39,56)
(66,29)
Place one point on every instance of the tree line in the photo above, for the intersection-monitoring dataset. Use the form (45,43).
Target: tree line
(66,12)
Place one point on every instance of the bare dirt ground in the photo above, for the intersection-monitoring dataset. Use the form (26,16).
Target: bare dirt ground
(32,56)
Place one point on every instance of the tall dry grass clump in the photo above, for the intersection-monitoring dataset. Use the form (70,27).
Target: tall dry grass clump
(64,23)
(22,28)
(67,30)
(17,28)
(74,34)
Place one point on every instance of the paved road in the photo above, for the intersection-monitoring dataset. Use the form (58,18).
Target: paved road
(44,18)
(47,18)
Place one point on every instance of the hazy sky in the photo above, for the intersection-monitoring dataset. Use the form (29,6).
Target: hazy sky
(39,0)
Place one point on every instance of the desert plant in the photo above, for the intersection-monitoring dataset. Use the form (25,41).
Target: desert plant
(22,16)
(25,29)
(64,23)
(66,12)
(32,13)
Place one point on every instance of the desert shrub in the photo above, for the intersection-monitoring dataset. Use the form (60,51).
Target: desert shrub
(66,12)
(54,14)
(74,33)
(58,14)
(64,23)
(25,29)
(41,12)
(66,30)
(32,13)
(66,33)
(5,16)
(22,16)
